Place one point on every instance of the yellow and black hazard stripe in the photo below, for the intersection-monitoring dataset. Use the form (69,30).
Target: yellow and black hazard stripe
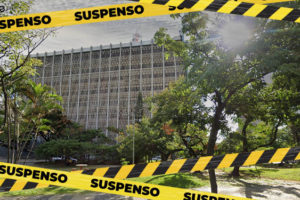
(145,8)
(176,166)
(105,185)
(232,7)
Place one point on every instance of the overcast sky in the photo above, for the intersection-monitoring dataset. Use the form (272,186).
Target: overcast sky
(99,33)
(104,33)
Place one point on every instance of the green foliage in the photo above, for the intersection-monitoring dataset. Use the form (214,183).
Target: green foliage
(182,180)
(90,135)
(176,47)
(230,83)
(141,134)
(60,148)
(149,142)
(124,161)
(276,173)
(180,107)
(81,144)
(24,103)
(139,108)
(107,154)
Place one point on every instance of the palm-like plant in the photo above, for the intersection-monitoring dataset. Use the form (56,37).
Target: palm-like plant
(32,103)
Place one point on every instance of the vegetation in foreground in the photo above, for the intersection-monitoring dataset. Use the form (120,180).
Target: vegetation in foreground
(289,174)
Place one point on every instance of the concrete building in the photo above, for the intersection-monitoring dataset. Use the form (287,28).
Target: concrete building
(100,85)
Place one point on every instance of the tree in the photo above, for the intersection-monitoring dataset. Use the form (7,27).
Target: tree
(139,108)
(149,141)
(219,74)
(16,63)
(180,112)
(30,103)
(80,144)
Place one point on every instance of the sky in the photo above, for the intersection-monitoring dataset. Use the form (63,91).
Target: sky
(99,33)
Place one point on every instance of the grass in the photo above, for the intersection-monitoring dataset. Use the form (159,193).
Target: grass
(184,180)
(292,174)
(175,180)
(43,191)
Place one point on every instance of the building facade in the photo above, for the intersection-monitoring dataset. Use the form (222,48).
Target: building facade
(100,85)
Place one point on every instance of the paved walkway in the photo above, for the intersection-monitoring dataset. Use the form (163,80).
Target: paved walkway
(258,188)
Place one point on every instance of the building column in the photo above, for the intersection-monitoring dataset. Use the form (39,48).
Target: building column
(70,81)
(52,68)
(43,76)
(141,66)
(79,84)
(164,70)
(152,71)
(129,84)
(108,91)
(61,72)
(118,109)
(89,83)
(99,85)
(34,78)
(175,67)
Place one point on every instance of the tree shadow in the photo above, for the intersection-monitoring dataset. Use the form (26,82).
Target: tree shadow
(177,180)
(249,173)
(256,189)
(257,172)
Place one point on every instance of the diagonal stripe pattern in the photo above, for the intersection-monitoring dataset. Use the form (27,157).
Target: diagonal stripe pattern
(176,166)
(232,7)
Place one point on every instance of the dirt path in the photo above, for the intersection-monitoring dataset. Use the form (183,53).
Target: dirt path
(258,188)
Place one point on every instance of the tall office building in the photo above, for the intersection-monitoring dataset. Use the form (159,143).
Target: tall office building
(100,85)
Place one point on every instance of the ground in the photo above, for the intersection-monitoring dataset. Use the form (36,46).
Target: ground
(254,188)
(256,183)
(259,188)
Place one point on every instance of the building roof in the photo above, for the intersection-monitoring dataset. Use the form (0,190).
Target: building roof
(95,48)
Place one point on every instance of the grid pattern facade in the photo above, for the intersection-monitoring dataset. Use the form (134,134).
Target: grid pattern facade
(100,85)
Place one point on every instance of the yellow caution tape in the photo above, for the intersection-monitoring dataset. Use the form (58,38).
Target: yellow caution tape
(81,16)
(105,185)
(176,166)
(231,7)
(264,1)
(146,8)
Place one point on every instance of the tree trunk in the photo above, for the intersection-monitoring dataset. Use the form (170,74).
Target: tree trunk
(244,134)
(213,181)
(211,144)
(6,119)
(14,139)
(8,122)
(190,149)
(17,138)
(296,133)
(164,157)
(236,171)
(23,144)
(32,146)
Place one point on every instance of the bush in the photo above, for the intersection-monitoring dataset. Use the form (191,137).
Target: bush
(107,154)
(83,151)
